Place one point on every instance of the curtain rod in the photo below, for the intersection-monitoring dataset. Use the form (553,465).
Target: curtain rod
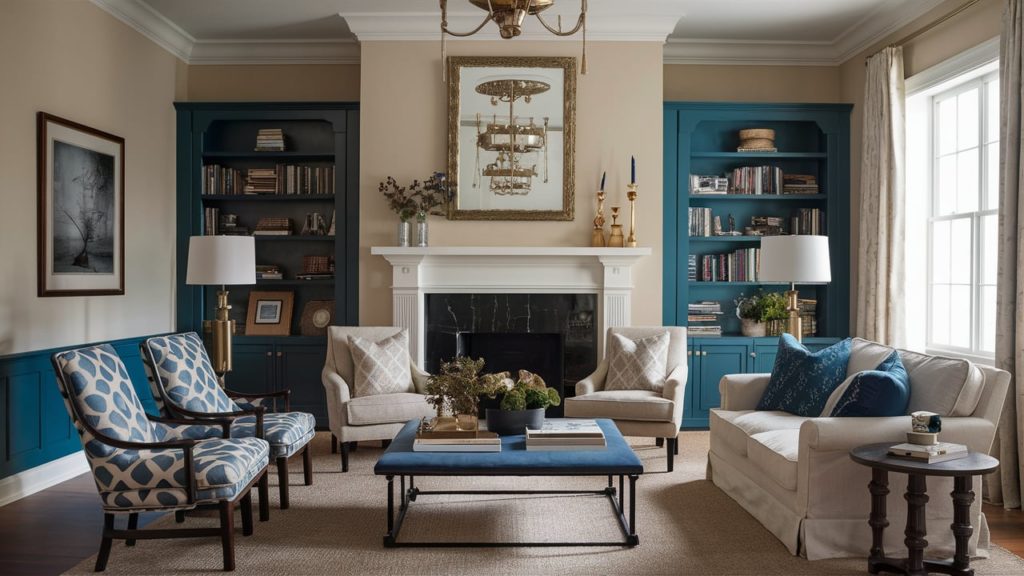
(929,27)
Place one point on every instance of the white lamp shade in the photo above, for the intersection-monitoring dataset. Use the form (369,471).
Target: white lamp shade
(221,260)
(800,259)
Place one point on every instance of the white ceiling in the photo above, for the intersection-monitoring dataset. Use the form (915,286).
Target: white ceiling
(809,32)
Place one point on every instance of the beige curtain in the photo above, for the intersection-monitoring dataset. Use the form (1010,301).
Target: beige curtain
(1006,486)
(880,280)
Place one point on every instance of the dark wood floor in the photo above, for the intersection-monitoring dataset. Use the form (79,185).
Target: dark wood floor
(51,531)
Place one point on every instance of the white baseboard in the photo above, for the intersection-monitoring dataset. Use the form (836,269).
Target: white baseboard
(42,477)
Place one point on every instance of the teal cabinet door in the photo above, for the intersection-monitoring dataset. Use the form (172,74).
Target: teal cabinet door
(299,367)
(253,368)
(764,358)
(717,360)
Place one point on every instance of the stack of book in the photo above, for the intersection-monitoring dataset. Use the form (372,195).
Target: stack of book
(219,179)
(270,140)
(708,184)
(765,225)
(211,217)
(700,221)
(566,435)
(261,181)
(270,226)
(929,453)
(702,312)
(808,221)
(691,267)
(808,316)
(756,180)
(799,184)
(739,266)
(268,272)
(293,179)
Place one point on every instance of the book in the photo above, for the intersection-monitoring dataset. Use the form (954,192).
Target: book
(420,446)
(931,453)
(567,428)
(564,448)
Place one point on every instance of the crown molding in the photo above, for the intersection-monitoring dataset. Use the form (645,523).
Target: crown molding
(228,52)
(151,24)
(878,24)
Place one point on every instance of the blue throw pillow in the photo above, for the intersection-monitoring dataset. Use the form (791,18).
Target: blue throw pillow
(884,391)
(801,381)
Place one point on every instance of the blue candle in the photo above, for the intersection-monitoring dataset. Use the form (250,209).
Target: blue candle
(603,174)
(632,172)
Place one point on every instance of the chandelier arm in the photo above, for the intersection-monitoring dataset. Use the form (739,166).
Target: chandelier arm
(579,22)
(444,28)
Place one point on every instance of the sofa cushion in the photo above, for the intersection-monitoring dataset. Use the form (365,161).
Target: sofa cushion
(775,453)
(724,428)
(802,381)
(388,408)
(946,386)
(884,391)
(381,367)
(643,405)
(637,364)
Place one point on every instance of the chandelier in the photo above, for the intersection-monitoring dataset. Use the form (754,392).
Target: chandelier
(509,15)
(513,141)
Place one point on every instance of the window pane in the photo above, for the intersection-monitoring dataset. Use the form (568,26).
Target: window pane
(989,230)
(946,202)
(992,187)
(967,178)
(993,111)
(967,119)
(960,251)
(940,253)
(940,314)
(988,319)
(960,316)
(947,126)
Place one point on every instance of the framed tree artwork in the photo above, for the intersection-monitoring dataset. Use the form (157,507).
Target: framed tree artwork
(81,209)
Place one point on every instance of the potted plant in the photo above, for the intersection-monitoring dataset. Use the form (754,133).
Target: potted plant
(456,390)
(403,203)
(758,311)
(419,199)
(522,402)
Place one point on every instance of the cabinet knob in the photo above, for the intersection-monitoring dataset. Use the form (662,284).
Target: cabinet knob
(280,354)
(689,352)
(268,354)
(753,354)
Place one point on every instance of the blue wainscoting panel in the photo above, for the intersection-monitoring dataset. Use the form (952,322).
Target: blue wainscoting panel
(35,427)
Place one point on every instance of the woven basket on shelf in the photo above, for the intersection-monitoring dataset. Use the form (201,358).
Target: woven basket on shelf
(757,139)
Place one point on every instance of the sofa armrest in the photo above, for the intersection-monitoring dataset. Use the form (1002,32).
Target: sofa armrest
(593,382)
(675,390)
(419,378)
(742,391)
(826,434)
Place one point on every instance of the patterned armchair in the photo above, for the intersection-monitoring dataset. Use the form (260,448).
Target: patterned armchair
(184,385)
(141,463)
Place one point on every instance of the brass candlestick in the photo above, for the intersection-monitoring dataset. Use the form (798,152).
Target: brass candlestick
(597,236)
(631,196)
(615,240)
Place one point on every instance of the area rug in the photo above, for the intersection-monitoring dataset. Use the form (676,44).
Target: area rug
(686,526)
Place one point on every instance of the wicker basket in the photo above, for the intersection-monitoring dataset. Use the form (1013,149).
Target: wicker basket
(316,264)
(757,139)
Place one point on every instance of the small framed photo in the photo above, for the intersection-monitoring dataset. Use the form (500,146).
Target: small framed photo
(80,178)
(270,313)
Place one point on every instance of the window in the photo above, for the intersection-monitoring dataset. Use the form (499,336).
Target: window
(962,202)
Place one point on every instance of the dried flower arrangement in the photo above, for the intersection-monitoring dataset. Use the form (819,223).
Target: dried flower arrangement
(418,199)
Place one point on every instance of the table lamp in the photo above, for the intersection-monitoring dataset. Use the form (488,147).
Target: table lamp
(797,260)
(221,261)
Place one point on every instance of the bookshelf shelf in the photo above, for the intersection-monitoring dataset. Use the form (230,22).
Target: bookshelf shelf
(269,197)
(286,155)
(760,155)
(719,284)
(316,282)
(755,197)
(725,239)
(292,238)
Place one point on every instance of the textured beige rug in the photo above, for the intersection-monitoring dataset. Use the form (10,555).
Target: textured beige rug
(686,526)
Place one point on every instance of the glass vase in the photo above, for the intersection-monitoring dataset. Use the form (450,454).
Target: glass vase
(403,233)
(421,230)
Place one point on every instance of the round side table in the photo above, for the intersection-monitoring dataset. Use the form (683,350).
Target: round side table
(962,470)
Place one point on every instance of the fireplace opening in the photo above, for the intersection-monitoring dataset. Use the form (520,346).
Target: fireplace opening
(514,351)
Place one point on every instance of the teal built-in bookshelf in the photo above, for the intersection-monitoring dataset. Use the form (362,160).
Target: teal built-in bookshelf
(701,138)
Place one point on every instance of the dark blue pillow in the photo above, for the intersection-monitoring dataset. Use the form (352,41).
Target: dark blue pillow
(884,391)
(802,381)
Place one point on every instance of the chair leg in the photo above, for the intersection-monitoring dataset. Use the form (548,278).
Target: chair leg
(227,533)
(264,488)
(307,466)
(246,504)
(353,446)
(659,442)
(670,449)
(133,524)
(334,444)
(344,456)
(675,446)
(105,543)
(179,516)
(282,480)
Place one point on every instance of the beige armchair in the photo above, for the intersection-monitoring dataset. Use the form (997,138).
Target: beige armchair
(652,413)
(379,417)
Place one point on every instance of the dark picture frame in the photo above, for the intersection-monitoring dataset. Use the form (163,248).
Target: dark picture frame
(80,180)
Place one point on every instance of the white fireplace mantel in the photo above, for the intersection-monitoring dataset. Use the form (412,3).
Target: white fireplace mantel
(417,272)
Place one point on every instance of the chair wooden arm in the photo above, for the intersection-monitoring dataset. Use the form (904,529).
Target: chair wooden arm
(286,394)
(258,411)
(224,423)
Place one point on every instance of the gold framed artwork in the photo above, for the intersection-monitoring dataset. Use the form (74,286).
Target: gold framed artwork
(511,137)
(270,313)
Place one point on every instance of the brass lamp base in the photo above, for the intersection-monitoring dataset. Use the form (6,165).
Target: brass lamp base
(794,325)
(222,329)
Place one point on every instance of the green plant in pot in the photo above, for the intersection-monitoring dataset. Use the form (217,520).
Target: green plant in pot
(522,402)
(456,390)
(758,312)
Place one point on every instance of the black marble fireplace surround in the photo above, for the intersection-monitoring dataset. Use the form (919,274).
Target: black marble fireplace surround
(464,323)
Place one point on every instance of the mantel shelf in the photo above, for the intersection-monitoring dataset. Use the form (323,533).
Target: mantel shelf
(508,251)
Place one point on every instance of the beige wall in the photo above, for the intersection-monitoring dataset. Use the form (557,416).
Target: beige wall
(71,59)
(403,116)
(752,83)
(330,82)
(970,28)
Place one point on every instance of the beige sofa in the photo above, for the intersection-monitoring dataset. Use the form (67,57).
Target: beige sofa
(794,473)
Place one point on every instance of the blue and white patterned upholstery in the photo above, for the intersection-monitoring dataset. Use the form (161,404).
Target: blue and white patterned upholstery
(180,373)
(97,390)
